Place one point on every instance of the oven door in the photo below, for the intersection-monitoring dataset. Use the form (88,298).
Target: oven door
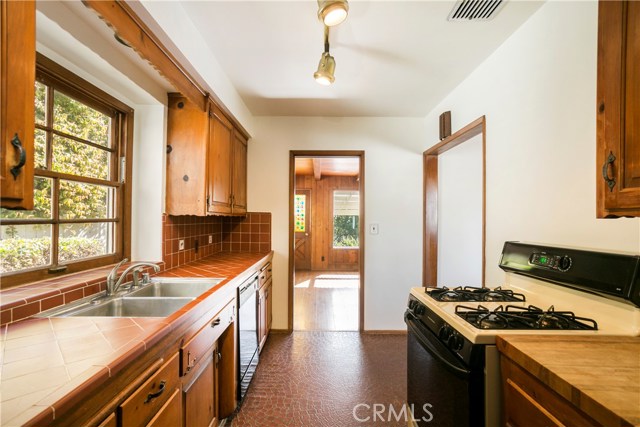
(441,389)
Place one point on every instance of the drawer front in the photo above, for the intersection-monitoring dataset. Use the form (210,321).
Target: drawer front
(265,274)
(171,412)
(145,402)
(196,347)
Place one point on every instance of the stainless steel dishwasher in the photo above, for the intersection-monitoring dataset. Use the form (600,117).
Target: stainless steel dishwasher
(247,334)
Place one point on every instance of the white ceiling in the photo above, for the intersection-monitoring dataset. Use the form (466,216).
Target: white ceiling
(393,58)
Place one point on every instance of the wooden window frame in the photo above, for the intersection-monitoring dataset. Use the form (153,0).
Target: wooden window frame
(56,77)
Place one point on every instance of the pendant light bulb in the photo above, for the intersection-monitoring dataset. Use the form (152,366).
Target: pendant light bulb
(332,12)
(326,68)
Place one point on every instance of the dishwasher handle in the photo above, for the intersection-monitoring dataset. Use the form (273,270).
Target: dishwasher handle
(414,327)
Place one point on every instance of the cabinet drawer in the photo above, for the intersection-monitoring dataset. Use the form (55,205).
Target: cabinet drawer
(196,347)
(171,412)
(145,402)
(265,274)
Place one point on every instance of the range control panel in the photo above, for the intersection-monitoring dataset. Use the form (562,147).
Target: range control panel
(553,262)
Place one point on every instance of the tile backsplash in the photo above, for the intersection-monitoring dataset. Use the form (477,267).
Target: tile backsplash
(251,233)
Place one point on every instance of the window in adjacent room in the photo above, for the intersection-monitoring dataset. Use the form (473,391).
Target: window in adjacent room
(80,218)
(346,218)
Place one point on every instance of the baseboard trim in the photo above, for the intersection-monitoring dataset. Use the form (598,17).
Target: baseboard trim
(279,331)
(385,332)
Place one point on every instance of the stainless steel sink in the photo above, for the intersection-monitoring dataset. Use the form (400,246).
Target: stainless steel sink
(130,307)
(161,297)
(162,287)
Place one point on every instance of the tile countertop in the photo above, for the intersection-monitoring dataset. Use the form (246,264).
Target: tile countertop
(44,361)
(599,375)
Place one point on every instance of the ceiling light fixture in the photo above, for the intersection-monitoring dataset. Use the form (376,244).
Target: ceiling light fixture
(327,65)
(332,12)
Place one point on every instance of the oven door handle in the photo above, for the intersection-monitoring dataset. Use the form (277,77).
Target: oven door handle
(414,326)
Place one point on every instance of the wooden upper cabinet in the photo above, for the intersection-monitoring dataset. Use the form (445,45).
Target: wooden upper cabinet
(618,109)
(17,106)
(206,161)
(220,163)
(239,182)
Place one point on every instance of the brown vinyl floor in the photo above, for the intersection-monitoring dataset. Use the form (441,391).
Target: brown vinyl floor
(320,379)
(326,301)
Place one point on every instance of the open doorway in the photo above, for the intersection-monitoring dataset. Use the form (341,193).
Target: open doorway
(326,241)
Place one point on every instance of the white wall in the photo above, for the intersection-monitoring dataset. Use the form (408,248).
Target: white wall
(393,199)
(538,92)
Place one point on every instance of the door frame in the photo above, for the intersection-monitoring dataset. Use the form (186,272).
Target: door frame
(430,198)
(292,185)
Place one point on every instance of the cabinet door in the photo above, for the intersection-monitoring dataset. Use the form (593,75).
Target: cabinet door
(239,195)
(262,316)
(219,164)
(17,95)
(618,120)
(200,397)
(269,297)
(188,136)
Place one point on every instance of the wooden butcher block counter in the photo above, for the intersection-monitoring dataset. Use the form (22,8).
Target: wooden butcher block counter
(570,380)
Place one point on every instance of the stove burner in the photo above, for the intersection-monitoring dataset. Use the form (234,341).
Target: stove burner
(474,294)
(514,317)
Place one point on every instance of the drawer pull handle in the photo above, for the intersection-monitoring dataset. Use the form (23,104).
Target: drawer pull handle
(190,362)
(215,323)
(152,396)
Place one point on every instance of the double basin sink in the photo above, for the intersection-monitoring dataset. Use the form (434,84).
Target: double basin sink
(159,298)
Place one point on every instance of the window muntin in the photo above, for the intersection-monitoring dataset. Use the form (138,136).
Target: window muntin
(79,209)
(346,219)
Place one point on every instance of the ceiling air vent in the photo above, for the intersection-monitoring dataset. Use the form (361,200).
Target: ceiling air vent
(475,10)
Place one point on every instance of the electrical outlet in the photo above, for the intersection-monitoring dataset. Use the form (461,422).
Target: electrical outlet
(210,239)
(181,244)
(374,228)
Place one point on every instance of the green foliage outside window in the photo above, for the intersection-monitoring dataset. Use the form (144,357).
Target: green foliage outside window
(23,246)
(346,229)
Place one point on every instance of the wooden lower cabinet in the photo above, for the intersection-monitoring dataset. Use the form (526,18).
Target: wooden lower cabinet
(530,403)
(200,399)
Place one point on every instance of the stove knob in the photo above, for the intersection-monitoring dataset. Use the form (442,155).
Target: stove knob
(445,332)
(419,308)
(456,342)
(564,264)
(412,304)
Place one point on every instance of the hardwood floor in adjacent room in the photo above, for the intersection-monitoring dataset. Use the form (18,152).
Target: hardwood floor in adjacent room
(328,379)
(326,301)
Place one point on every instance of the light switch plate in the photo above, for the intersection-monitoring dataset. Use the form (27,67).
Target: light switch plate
(374,228)
(210,239)
(181,244)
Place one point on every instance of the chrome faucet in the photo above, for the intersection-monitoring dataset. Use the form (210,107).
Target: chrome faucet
(113,283)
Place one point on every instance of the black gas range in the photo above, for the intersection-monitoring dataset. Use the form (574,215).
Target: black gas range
(453,364)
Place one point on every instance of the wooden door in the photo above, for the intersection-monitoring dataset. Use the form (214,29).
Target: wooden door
(618,119)
(302,227)
(239,174)
(200,401)
(219,163)
(17,94)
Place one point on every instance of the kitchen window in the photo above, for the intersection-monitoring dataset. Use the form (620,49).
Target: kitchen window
(346,219)
(81,152)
